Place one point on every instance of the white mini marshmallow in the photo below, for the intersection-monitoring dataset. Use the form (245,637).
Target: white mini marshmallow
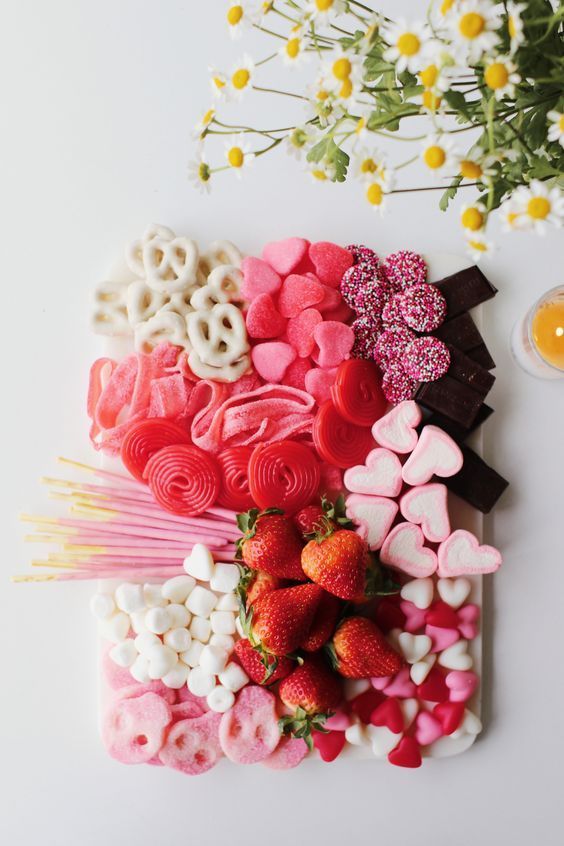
(179,615)
(115,628)
(224,641)
(200,563)
(157,620)
(130,597)
(200,629)
(138,622)
(220,699)
(201,601)
(178,639)
(154,596)
(162,659)
(124,654)
(222,622)
(192,654)
(228,602)
(102,605)
(179,588)
(200,683)
(213,659)
(145,640)
(140,669)
(177,677)
(225,578)
(233,677)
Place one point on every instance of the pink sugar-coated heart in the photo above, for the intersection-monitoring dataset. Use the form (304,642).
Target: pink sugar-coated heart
(263,319)
(401,685)
(427,728)
(426,505)
(380,682)
(339,721)
(468,616)
(331,299)
(341,314)
(414,616)
(334,343)
(441,638)
(295,375)
(298,293)
(133,730)
(284,256)
(404,550)
(461,684)
(318,383)
(461,554)
(300,331)
(380,475)
(435,454)
(397,430)
(258,278)
(330,262)
(373,516)
(271,359)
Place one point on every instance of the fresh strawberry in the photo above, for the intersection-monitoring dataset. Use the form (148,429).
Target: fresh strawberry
(271,542)
(313,692)
(253,665)
(359,650)
(254,583)
(280,620)
(310,519)
(324,622)
(338,561)
(314,518)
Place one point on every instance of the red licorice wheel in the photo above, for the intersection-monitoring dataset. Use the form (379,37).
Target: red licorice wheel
(234,470)
(284,474)
(146,438)
(357,392)
(183,479)
(337,440)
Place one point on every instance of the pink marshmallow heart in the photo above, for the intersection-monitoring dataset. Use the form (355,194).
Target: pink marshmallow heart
(318,383)
(461,684)
(263,319)
(427,728)
(298,293)
(401,685)
(441,638)
(133,730)
(271,359)
(404,550)
(258,278)
(468,616)
(436,454)
(300,331)
(414,616)
(192,746)
(288,754)
(249,731)
(334,342)
(396,430)
(426,505)
(380,475)
(373,516)
(339,721)
(330,261)
(284,256)
(461,554)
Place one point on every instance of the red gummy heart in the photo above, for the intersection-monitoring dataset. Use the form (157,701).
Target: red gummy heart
(298,293)
(284,256)
(295,374)
(334,342)
(406,753)
(319,382)
(305,267)
(329,745)
(389,614)
(388,714)
(330,262)
(300,331)
(367,702)
(331,299)
(263,319)
(442,615)
(434,687)
(342,314)
(450,715)
(258,278)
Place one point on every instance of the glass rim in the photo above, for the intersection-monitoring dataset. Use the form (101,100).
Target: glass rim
(558,289)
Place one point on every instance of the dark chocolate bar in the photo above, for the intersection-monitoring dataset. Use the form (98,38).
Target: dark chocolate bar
(477,482)
(459,402)
(469,372)
(481,355)
(461,332)
(459,433)
(465,289)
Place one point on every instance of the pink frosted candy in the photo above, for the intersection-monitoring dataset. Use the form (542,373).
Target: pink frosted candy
(427,728)
(404,550)
(401,685)
(298,293)
(436,454)
(168,397)
(258,278)
(263,318)
(461,554)
(380,475)
(461,684)
(249,731)
(427,506)
(288,754)
(192,746)
(330,262)
(188,705)
(300,331)
(133,730)
(373,516)
(334,343)
(134,690)
(468,616)
(397,430)
(441,638)
(331,299)
(272,359)
(296,373)
(341,314)
(318,383)
(284,256)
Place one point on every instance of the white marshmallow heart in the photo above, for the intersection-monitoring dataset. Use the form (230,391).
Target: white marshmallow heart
(421,669)
(382,739)
(454,591)
(436,454)
(373,515)
(404,550)
(456,657)
(200,564)
(426,505)
(396,430)
(414,647)
(471,724)
(418,591)
(461,554)
(409,708)
(356,735)
(380,475)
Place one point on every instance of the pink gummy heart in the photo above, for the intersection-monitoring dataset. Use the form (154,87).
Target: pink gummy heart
(434,688)
(401,685)
(258,278)
(271,359)
(329,745)
(331,299)
(330,261)
(295,375)
(442,638)
(442,615)
(263,319)
(388,714)
(450,715)
(427,728)
(318,383)
(339,721)
(468,616)
(300,331)
(406,753)
(284,256)
(414,616)
(298,293)
(334,342)
(461,684)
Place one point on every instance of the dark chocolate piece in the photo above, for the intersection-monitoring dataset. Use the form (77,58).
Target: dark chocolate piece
(459,402)
(481,355)
(465,289)
(477,482)
(459,433)
(463,334)
(465,370)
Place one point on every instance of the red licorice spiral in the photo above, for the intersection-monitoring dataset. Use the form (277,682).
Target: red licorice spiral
(357,392)
(183,479)
(234,470)
(337,440)
(284,474)
(146,438)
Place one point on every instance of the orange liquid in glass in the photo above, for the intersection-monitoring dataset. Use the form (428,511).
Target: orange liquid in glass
(548,332)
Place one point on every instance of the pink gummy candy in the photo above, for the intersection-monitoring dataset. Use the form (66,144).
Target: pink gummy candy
(192,746)
(249,731)
(133,730)
(258,278)
(135,689)
(461,684)
(271,360)
(284,256)
(168,396)
(288,754)
(334,342)
(331,299)
(330,261)
(263,318)
(300,331)
(298,293)
(296,372)
(318,383)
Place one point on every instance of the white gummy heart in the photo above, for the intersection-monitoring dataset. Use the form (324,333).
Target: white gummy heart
(418,591)
(454,591)
(414,647)
(456,657)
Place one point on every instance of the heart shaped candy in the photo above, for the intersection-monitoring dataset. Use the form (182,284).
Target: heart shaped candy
(471,724)
(364,704)
(300,331)
(329,744)
(319,381)
(258,278)
(334,342)
(263,319)
(404,550)
(450,715)
(436,454)
(419,592)
(434,688)
(380,475)
(454,591)
(396,430)
(456,657)
(441,638)
(461,554)
(461,684)
(426,505)
(406,753)
(414,616)
(298,293)
(330,262)
(442,615)
(383,740)
(428,728)
(388,714)
(421,669)
(401,685)
(414,647)
(271,359)
(331,299)
(284,256)
(468,616)
(373,515)
(339,721)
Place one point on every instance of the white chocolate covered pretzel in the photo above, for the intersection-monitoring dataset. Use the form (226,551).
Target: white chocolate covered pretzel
(109,316)
(223,286)
(142,302)
(218,253)
(163,326)
(168,263)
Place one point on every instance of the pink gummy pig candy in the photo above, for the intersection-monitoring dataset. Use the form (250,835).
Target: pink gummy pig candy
(192,746)
(249,731)
(133,730)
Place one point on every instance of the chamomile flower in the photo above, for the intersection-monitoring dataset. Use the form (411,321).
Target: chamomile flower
(376,195)
(536,205)
(218,82)
(342,74)
(241,77)
(501,77)
(370,166)
(203,123)
(238,154)
(435,77)
(321,171)
(237,17)
(293,50)
(361,131)
(408,45)
(298,140)
(556,128)
(323,105)
(473,26)
(515,25)
(437,153)
(321,10)
(475,165)
(439,12)
(199,173)
(479,247)
(473,217)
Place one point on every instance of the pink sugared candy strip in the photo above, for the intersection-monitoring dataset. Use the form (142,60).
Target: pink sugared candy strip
(404,549)
(192,746)
(284,256)
(330,262)
(427,506)
(380,475)
(272,359)
(436,454)
(334,342)
(249,730)
(373,516)
(288,754)
(258,278)
(397,430)
(461,554)
(133,730)
(461,684)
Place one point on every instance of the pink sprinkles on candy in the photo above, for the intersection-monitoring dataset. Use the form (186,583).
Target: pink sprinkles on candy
(391,345)
(397,386)
(391,313)
(405,268)
(366,332)
(426,359)
(354,280)
(372,297)
(363,255)
(423,307)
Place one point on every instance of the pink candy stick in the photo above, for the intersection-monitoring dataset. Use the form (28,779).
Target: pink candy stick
(126,519)
(225,513)
(102,539)
(104,474)
(133,530)
(161,519)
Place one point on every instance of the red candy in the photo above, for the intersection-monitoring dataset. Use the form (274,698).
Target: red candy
(339,442)
(234,468)
(146,438)
(330,262)
(183,479)
(263,318)
(405,268)
(357,392)
(284,474)
(423,307)
(388,714)
(295,375)
(300,331)
(426,359)
(450,715)
(366,703)
(406,753)
(329,744)
(298,293)
(434,688)
(397,385)
(442,615)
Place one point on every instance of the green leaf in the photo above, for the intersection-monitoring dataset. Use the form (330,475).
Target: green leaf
(450,193)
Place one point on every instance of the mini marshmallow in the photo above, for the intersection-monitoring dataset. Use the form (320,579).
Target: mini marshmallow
(157,620)
(201,601)
(220,699)
(228,602)
(162,659)
(200,629)
(178,639)
(213,659)
(177,677)
(114,628)
(145,640)
(225,578)
(222,622)
(124,654)
(200,683)
(224,641)
(130,597)
(153,596)
(102,605)
(137,620)
(233,677)
(179,615)
(140,669)
(179,588)
(200,563)
(192,654)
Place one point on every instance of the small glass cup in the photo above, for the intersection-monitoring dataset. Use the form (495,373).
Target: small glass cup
(537,340)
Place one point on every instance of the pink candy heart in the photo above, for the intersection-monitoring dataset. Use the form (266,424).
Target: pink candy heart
(401,685)
(414,616)
(334,341)
(300,331)
(331,299)
(468,616)
(461,684)
(284,256)
(461,554)
(263,319)
(318,383)
(373,515)
(295,375)
(298,293)
(396,430)
(339,721)
(426,505)
(380,475)
(271,360)
(436,454)
(442,638)
(427,728)
(330,262)
(404,550)
(258,278)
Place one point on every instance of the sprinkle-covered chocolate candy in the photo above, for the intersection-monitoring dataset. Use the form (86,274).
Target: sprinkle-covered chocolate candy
(372,297)
(426,359)
(391,345)
(354,280)
(363,255)
(367,330)
(391,313)
(423,307)
(397,386)
(405,268)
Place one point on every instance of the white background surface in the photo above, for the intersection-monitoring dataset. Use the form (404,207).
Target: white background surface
(98,103)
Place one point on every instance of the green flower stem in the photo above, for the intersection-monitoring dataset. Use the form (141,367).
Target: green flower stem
(406,163)
(277,91)
(269,32)
(429,188)
(264,61)
(275,143)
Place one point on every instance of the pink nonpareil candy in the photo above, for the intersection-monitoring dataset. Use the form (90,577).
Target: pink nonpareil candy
(258,278)
(461,554)
(300,331)
(133,730)
(461,684)
(436,454)
(397,430)
(263,319)
(298,293)
(249,731)
(319,381)
(272,359)
(380,475)
(427,506)
(330,262)
(334,343)
(295,374)
(404,549)
(192,746)
(288,754)
(284,256)
(373,516)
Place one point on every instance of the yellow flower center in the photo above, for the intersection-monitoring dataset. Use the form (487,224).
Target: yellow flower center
(496,76)
(471,25)
(434,156)
(342,68)
(561,123)
(319,174)
(204,172)
(479,246)
(267,6)
(430,100)
(446,6)
(346,89)
(361,123)
(429,75)
(511,26)
(234,15)
(235,157)
(368,166)
(408,44)
(322,94)
(240,78)
(512,217)
(208,117)
(218,81)
(470,169)
(323,5)
(374,194)
(293,47)
(472,218)
(538,208)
